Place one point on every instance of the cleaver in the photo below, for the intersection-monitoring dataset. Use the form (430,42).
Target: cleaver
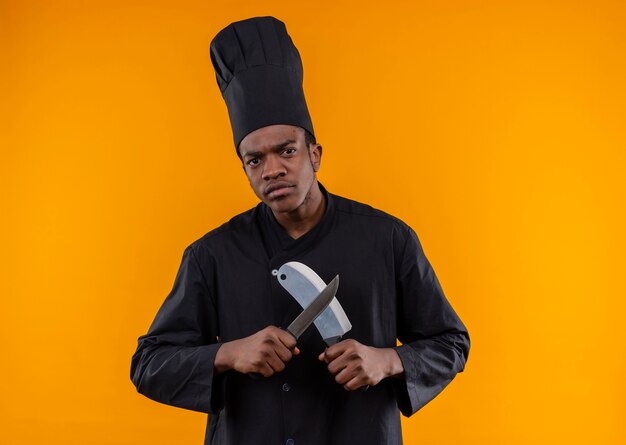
(303,284)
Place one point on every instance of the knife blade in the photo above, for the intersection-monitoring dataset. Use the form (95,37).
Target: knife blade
(303,284)
(313,310)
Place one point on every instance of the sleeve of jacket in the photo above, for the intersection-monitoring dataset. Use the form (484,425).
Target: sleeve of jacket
(174,361)
(435,343)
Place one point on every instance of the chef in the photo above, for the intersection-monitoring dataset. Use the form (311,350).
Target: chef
(218,343)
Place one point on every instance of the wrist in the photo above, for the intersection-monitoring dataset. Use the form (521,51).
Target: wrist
(394,366)
(223,358)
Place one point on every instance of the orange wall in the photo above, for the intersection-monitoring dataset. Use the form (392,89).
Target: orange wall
(494,128)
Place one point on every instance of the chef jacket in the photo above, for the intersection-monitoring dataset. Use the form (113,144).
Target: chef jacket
(225,290)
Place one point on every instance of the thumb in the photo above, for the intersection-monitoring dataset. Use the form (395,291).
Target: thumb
(323,356)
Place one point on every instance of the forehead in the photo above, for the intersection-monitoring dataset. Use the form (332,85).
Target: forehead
(267,137)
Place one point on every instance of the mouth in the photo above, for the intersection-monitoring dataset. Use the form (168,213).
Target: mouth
(277,189)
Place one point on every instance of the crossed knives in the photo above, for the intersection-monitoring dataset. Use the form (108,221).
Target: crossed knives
(318,300)
(319,303)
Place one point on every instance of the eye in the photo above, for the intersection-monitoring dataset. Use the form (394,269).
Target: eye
(253,162)
(289,151)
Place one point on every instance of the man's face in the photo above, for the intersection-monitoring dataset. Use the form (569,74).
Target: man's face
(280,166)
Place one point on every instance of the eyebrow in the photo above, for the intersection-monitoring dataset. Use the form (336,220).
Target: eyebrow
(276,147)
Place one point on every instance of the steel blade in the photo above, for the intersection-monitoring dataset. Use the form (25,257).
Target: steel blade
(313,310)
(304,285)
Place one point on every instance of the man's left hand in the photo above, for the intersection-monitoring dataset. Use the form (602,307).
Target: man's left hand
(355,365)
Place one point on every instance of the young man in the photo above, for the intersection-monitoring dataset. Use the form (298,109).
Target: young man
(219,325)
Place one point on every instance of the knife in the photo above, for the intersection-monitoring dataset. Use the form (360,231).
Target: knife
(312,311)
(303,284)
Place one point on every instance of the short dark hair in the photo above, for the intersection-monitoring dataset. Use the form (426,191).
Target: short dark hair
(308,137)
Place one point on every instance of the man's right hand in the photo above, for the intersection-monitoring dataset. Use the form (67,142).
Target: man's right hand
(265,353)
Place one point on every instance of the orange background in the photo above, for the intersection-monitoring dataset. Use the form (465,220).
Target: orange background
(494,128)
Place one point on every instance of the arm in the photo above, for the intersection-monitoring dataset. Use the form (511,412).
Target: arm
(435,341)
(180,361)
(174,361)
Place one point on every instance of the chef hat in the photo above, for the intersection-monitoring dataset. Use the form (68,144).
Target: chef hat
(259,73)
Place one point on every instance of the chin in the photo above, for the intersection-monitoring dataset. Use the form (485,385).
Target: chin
(285,205)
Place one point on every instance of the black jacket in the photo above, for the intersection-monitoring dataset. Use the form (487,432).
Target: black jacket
(225,290)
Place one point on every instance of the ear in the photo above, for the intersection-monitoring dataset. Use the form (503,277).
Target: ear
(315,154)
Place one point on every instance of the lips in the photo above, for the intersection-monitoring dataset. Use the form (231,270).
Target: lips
(276,189)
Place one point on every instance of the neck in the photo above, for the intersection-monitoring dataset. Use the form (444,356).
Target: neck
(299,221)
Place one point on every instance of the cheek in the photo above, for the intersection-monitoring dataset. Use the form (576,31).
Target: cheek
(252,179)
(254,182)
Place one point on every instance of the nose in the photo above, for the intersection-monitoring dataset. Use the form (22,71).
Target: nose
(273,168)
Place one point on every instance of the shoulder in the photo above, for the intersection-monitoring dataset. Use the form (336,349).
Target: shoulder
(368,223)
(351,209)
(240,226)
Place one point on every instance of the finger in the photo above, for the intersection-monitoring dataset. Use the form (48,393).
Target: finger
(282,352)
(355,384)
(264,358)
(264,369)
(334,351)
(285,337)
(275,362)
(348,345)
(286,346)
(274,342)
(348,358)
(345,375)
(336,366)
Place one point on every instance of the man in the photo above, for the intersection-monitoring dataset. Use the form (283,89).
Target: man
(219,326)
